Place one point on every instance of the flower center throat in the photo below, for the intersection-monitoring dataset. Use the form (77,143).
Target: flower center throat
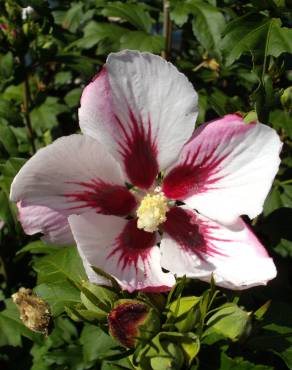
(152,211)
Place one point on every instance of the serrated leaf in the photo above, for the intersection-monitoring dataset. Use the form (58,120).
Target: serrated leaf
(57,274)
(259,36)
(96,32)
(9,112)
(136,14)
(58,295)
(44,117)
(208,22)
(63,265)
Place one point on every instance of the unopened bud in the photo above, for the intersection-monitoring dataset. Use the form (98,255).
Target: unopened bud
(286,99)
(131,320)
(34,311)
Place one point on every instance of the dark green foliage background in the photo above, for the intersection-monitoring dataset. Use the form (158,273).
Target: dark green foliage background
(55,53)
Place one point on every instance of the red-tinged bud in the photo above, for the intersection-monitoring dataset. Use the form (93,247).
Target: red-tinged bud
(3,27)
(131,320)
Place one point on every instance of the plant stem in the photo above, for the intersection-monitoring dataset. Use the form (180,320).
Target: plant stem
(166,30)
(26,103)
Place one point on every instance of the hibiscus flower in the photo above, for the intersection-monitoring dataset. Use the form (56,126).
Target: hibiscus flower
(145,197)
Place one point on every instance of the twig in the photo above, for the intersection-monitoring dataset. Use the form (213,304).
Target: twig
(26,103)
(166,30)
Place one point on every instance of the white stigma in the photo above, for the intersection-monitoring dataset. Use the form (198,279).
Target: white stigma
(152,211)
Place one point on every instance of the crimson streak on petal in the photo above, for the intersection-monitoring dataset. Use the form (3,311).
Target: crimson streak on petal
(193,176)
(133,244)
(190,232)
(107,199)
(139,151)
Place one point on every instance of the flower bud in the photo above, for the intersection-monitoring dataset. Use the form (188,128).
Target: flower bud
(131,320)
(213,64)
(34,311)
(286,98)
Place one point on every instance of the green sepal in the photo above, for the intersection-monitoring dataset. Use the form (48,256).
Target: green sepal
(167,348)
(96,297)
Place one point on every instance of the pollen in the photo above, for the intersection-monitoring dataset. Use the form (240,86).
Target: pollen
(152,211)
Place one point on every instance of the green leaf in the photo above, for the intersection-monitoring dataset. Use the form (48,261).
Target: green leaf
(6,66)
(182,305)
(276,333)
(260,312)
(6,212)
(38,247)
(72,99)
(273,201)
(71,357)
(44,117)
(63,265)
(284,248)
(238,363)
(281,120)
(96,296)
(96,32)
(57,274)
(169,350)
(63,78)
(286,195)
(259,36)
(9,113)
(139,40)
(12,328)
(208,22)
(13,92)
(96,344)
(8,140)
(58,295)
(230,321)
(136,14)
(73,17)
(123,364)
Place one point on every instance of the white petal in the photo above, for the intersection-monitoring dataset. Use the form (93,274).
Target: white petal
(198,247)
(143,109)
(41,219)
(226,169)
(109,244)
(72,175)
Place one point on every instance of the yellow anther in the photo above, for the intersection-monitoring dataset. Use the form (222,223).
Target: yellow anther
(151,212)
